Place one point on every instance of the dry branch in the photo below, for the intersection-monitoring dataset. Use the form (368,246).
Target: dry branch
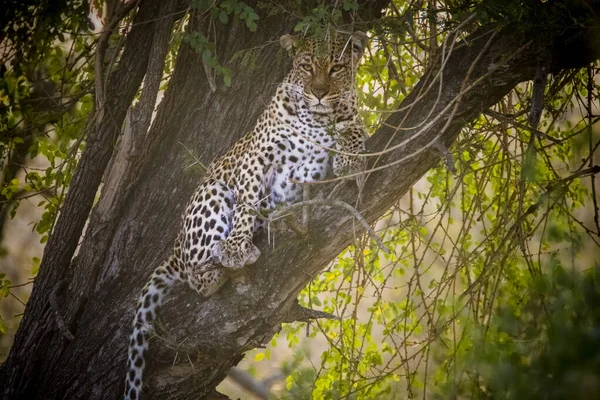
(331,203)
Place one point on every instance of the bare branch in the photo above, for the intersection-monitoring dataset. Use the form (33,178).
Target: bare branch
(331,203)
(303,314)
(537,100)
(250,384)
(516,124)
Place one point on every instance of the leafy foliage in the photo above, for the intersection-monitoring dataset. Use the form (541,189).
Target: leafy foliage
(202,45)
(491,288)
(45,100)
(485,261)
(549,343)
(219,11)
(44,91)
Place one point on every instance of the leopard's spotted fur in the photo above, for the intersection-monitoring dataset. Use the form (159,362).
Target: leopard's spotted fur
(313,109)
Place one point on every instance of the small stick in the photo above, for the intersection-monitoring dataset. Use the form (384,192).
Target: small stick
(334,203)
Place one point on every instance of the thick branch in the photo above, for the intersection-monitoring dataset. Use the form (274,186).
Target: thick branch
(32,340)
(122,168)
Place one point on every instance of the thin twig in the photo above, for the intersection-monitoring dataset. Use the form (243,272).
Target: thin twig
(560,184)
(513,122)
(537,99)
(332,203)
(590,87)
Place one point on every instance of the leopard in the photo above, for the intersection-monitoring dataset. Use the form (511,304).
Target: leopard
(310,128)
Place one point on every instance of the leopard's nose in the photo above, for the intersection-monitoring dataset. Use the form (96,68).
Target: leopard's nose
(320,92)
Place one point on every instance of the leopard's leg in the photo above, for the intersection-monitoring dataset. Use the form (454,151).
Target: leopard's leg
(208,221)
(249,183)
(208,282)
(352,143)
(238,249)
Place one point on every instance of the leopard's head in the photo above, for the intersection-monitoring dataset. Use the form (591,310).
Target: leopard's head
(324,70)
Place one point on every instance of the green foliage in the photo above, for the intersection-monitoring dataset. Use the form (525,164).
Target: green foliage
(320,17)
(207,49)
(222,11)
(30,28)
(45,94)
(4,292)
(323,17)
(45,83)
(547,346)
(482,293)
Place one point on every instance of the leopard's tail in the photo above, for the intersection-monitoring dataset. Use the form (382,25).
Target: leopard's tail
(151,298)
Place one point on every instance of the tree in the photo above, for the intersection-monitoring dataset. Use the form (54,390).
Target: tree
(131,226)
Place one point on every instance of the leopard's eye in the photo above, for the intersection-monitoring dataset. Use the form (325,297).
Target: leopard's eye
(307,67)
(337,68)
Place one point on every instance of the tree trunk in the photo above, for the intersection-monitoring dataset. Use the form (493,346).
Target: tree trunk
(130,235)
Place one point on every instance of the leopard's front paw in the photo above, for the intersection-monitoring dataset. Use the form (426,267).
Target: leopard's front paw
(348,165)
(235,252)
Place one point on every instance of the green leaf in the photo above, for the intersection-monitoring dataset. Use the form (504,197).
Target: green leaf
(223,17)
(227,80)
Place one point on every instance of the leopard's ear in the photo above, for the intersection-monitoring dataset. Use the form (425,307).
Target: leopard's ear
(288,42)
(359,42)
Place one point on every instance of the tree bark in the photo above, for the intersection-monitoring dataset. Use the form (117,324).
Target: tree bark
(202,339)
